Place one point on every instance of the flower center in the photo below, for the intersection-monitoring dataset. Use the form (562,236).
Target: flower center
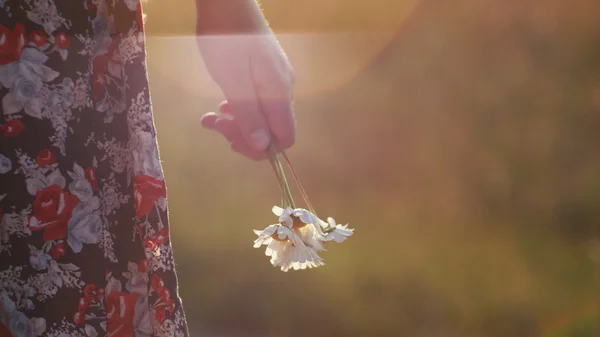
(276,238)
(297,223)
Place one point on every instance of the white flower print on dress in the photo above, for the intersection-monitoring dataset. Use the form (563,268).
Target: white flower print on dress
(25,78)
(46,14)
(78,139)
(5,164)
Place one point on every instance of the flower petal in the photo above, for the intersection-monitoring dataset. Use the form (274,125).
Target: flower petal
(305,215)
(277,210)
(297,256)
(339,234)
(264,236)
(285,218)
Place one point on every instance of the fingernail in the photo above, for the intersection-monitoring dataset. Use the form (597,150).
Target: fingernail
(260,140)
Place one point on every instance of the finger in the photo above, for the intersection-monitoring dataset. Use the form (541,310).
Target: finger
(274,90)
(225,126)
(252,122)
(229,129)
(208,120)
(240,146)
(225,108)
(280,119)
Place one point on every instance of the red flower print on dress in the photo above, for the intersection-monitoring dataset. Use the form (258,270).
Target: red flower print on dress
(142,266)
(153,241)
(149,243)
(12,43)
(62,40)
(58,250)
(165,303)
(4,331)
(12,128)
(139,16)
(120,312)
(114,52)
(160,314)
(90,295)
(162,236)
(79,318)
(90,175)
(169,304)
(139,36)
(92,7)
(146,191)
(83,304)
(158,284)
(45,158)
(73,211)
(92,292)
(52,210)
(99,69)
(38,37)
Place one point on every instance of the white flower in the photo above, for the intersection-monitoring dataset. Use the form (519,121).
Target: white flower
(5,164)
(145,153)
(293,243)
(25,78)
(27,304)
(39,325)
(284,241)
(82,189)
(84,227)
(29,291)
(137,281)
(131,4)
(38,259)
(335,232)
(6,303)
(302,222)
(19,324)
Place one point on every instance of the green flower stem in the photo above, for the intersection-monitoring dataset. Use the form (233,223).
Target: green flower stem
(273,161)
(281,179)
(300,187)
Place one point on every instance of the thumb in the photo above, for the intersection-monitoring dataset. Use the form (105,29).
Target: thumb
(252,122)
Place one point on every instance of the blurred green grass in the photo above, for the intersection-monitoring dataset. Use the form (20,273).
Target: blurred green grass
(466,158)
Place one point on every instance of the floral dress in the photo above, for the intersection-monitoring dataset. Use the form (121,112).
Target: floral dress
(84,238)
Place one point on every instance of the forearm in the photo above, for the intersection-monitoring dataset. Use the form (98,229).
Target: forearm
(237,17)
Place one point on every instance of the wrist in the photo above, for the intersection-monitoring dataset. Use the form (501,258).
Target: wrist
(230,17)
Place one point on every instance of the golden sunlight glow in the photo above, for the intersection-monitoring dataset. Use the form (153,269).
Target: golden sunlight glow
(327,41)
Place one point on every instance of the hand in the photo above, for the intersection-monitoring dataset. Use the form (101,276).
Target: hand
(257,81)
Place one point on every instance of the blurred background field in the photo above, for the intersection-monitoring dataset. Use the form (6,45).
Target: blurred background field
(460,138)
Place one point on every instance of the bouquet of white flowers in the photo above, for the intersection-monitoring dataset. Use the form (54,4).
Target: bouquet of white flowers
(294,242)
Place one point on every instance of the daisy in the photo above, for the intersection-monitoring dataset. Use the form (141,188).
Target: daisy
(294,241)
(284,244)
(303,223)
(335,232)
